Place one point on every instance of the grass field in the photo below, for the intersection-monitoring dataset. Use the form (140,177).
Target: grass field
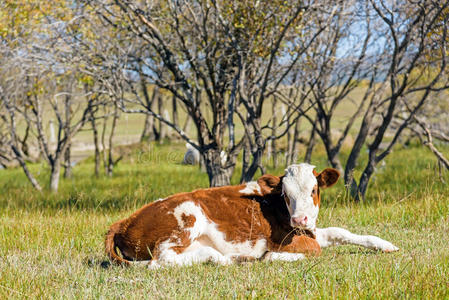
(51,246)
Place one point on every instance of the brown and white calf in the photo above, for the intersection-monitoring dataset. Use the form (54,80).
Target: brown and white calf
(273,218)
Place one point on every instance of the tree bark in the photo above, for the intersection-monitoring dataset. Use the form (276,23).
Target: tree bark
(148,132)
(55,172)
(161,126)
(175,111)
(103,144)
(67,133)
(96,143)
(111,163)
(273,133)
(256,154)
(364,180)
(68,161)
(218,176)
(351,163)
(245,160)
(255,165)
(288,154)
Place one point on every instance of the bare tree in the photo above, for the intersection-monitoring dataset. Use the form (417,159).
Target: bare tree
(429,143)
(331,71)
(213,59)
(430,124)
(416,67)
(40,86)
(149,130)
(10,137)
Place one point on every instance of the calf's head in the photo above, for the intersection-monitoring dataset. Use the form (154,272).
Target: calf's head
(300,189)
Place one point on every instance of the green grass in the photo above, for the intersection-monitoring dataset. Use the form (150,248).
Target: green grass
(51,246)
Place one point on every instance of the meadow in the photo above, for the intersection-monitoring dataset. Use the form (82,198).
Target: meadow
(51,246)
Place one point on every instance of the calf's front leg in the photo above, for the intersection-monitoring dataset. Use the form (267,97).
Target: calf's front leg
(334,236)
(283,256)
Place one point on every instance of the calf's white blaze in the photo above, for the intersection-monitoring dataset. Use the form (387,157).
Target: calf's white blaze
(297,185)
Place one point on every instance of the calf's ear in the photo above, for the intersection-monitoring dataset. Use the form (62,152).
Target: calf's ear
(269,184)
(327,178)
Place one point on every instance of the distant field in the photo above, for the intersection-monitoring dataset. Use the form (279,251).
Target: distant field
(51,246)
(130,126)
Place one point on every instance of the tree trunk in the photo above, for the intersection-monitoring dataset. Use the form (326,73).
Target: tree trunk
(68,162)
(364,180)
(111,163)
(288,154)
(148,132)
(245,160)
(256,163)
(161,125)
(273,133)
(103,145)
(96,144)
(352,160)
(175,111)
(218,176)
(54,176)
(67,133)
(24,141)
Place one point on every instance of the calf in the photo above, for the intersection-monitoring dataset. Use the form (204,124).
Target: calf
(273,218)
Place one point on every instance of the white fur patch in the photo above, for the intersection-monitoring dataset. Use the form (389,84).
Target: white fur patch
(189,256)
(191,209)
(334,236)
(251,187)
(284,256)
(207,242)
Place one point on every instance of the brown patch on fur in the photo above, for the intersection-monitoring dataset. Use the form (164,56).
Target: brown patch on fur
(188,220)
(270,184)
(182,241)
(327,178)
(302,244)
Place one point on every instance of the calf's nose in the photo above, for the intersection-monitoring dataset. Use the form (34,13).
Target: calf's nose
(299,221)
